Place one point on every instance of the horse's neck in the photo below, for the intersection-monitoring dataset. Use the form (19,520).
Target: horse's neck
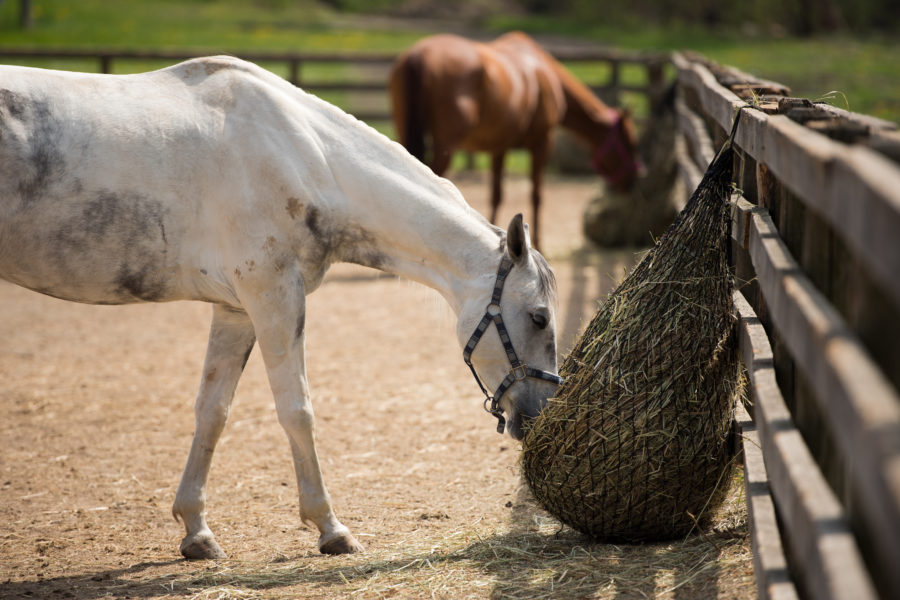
(585,114)
(419,223)
(450,250)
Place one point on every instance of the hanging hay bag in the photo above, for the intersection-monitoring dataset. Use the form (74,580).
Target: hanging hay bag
(636,446)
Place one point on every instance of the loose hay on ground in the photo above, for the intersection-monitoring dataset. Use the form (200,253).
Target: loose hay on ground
(532,558)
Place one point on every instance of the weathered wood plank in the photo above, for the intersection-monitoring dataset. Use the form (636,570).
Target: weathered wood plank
(855,189)
(826,558)
(698,140)
(773,578)
(688,171)
(862,408)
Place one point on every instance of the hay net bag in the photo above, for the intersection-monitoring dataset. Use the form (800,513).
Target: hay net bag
(636,444)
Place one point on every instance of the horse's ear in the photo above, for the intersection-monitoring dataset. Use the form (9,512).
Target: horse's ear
(517,239)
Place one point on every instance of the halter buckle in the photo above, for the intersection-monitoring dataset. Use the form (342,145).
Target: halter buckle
(492,309)
(519,372)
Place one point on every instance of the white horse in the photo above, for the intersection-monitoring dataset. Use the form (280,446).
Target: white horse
(215,180)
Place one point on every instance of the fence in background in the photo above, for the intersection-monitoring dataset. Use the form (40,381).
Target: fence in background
(366,77)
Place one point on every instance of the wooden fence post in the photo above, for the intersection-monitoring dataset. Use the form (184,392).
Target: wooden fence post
(294,68)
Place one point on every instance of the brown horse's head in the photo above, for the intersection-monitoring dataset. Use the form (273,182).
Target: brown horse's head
(615,157)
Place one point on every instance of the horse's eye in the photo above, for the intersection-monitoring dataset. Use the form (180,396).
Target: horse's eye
(540,318)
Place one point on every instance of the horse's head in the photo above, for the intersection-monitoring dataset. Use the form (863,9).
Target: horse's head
(508,330)
(615,157)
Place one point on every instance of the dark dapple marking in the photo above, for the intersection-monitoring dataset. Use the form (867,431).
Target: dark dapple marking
(293,207)
(126,227)
(312,221)
(13,102)
(43,161)
(348,243)
(212,67)
(136,225)
(143,283)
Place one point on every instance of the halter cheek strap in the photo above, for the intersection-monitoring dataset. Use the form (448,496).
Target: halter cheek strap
(518,370)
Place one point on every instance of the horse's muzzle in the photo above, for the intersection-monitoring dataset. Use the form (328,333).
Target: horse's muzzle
(526,404)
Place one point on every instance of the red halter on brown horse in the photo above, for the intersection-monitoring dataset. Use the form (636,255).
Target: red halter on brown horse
(505,94)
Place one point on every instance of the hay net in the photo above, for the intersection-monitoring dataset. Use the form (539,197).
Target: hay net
(636,444)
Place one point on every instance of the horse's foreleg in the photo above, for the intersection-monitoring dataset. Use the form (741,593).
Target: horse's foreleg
(442,154)
(497,160)
(278,315)
(538,161)
(231,339)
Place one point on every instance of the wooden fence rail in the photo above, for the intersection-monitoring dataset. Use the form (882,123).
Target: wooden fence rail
(816,242)
(609,89)
(816,249)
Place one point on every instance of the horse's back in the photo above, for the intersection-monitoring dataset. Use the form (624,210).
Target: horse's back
(483,97)
(444,73)
(103,178)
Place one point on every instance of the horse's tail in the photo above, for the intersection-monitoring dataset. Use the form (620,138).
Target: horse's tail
(409,107)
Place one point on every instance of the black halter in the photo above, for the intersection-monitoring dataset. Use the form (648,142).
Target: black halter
(519,370)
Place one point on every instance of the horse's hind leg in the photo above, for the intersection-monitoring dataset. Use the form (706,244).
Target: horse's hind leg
(539,155)
(231,339)
(497,160)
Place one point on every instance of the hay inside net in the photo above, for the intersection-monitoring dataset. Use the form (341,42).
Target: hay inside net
(636,445)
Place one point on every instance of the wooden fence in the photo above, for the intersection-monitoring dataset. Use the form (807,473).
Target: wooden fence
(816,250)
(365,75)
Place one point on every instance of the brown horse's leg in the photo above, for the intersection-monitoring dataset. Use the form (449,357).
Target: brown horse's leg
(443,153)
(497,160)
(538,159)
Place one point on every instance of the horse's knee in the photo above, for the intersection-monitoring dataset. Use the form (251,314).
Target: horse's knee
(210,416)
(296,417)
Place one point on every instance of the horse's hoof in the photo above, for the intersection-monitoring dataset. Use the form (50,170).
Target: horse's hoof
(343,543)
(201,547)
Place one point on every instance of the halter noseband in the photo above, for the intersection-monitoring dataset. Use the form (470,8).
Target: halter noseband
(614,143)
(519,370)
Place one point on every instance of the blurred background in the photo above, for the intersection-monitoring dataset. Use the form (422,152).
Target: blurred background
(845,52)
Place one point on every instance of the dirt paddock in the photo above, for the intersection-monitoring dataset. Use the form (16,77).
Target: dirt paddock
(97,406)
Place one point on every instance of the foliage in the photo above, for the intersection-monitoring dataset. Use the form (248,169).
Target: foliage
(801,17)
(859,67)
(208,24)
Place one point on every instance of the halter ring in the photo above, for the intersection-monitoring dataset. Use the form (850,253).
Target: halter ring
(519,371)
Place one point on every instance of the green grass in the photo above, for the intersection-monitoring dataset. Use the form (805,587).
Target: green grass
(211,25)
(865,71)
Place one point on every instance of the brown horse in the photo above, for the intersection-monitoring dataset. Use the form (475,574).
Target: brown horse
(505,94)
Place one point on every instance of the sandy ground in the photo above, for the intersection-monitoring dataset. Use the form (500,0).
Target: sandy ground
(97,406)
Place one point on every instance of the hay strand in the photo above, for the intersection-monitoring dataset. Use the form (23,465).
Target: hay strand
(636,443)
